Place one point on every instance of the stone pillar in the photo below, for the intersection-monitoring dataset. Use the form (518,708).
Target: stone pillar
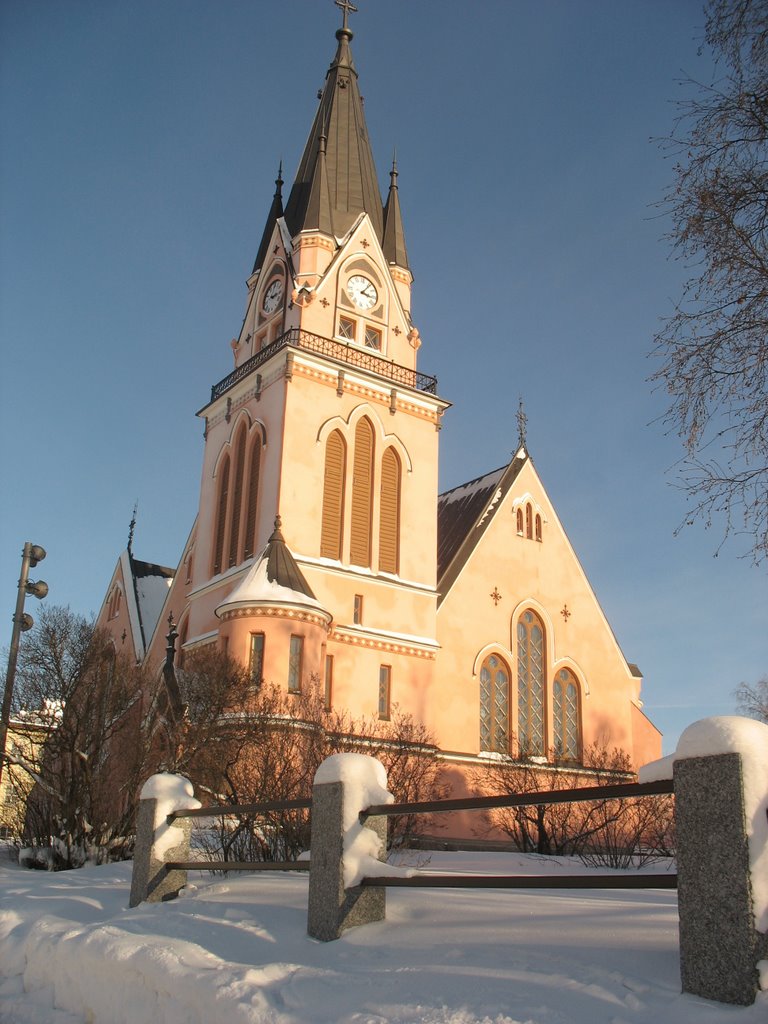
(157,843)
(332,908)
(719,944)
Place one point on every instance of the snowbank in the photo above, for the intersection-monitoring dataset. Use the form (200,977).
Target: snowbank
(173,793)
(365,783)
(730,734)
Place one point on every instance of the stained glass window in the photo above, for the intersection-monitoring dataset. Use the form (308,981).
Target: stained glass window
(565,715)
(494,705)
(531,731)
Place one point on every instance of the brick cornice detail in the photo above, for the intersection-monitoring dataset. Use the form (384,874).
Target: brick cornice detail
(256,611)
(390,646)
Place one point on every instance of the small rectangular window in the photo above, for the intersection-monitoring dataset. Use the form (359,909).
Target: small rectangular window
(347,328)
(385,682)
(256,661)
(294,664)
(357,616)
(373,338)
(328,680)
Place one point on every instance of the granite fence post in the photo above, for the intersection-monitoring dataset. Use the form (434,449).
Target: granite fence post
(332,908)
(157,843)
(719,943)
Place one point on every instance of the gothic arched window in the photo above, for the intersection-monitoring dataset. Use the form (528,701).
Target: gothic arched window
(565,716)
(530,686)
(362,494)
(538,526)
(221,516)
(237,498)
(520,521)
(389,512)
(494,705)
(332,522)
(254,470)
(528,522)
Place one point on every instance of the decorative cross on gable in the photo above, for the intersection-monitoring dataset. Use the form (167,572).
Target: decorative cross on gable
(347,8)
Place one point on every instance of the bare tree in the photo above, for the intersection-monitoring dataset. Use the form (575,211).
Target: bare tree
(753,700)
(83,697)
(714,348)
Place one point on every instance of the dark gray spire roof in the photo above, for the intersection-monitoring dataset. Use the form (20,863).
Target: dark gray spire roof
(351,173)
(275,211)
(318,215)
(281,565)
(393,242)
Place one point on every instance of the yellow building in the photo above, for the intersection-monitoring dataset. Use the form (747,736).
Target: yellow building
(321,547)
(25,737)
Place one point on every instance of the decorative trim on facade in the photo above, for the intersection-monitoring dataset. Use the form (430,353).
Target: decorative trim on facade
(322,619)
(378,644)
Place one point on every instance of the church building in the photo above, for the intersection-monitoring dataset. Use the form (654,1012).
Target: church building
(322,552)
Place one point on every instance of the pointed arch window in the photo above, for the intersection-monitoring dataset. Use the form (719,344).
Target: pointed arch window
(528,522)
(254,470)
(565,716)
(530,686)
(332,522)
(520,522)
(494,705)
(362,494)
(237,499)
(221,516)
(389,512)
(537,527)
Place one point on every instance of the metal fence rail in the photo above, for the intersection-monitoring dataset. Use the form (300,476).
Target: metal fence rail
(435,881)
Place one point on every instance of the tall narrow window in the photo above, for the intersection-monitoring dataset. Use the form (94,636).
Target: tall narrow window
(538,527)
(362,484)
(256,659)
(333,496)
(254,469)
(520,521)
(530,686)
(221,516)
(237,498)
(328,681)
(494,705)
(565,716)
(357,611)
(295,659)
(528,522)
(385,686)
(183,632)
(389,512)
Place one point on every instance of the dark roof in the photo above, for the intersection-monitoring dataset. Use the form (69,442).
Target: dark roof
(634,670)
(275,211)
(394,235)
(463,515)
(142,569)
(281,565)
(351,182)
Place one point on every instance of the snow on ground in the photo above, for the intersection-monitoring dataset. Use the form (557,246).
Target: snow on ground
(236,950)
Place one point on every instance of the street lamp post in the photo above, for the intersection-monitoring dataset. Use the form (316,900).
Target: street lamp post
(31,555)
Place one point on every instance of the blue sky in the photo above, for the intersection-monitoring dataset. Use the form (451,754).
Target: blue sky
(141,143)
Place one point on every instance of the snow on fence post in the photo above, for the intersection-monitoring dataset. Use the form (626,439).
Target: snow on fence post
(343,850)
(720,769)
(157,842)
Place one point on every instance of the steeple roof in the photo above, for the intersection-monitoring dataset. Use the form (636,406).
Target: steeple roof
(393,242)
(347,164)
(275,211)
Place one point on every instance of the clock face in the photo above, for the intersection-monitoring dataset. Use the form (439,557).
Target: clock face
(272,296)
(362,291)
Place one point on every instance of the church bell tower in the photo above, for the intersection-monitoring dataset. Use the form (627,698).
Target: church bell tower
(325,422)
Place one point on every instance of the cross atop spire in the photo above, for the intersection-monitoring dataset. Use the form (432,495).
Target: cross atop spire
(132,527)
(346,7)
(522,423)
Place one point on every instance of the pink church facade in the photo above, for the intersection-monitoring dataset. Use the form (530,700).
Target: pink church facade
(469,609)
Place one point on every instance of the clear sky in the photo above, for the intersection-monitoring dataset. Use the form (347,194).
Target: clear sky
(140,146)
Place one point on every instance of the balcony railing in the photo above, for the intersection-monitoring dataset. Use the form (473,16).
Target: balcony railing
(337,351)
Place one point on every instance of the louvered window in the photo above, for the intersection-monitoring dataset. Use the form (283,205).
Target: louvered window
(254,469)
(237,499)
(362,483)
(530,684)
(333,496)
(494,705)
(389,513)
(221,516)
(528,522)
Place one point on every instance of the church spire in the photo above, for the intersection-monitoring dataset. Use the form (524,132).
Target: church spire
(275,211)
(349,167)
(393,242)
(318,215)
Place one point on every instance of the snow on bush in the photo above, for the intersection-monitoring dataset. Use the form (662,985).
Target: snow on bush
(365,783)
(730,734)
(173,793)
